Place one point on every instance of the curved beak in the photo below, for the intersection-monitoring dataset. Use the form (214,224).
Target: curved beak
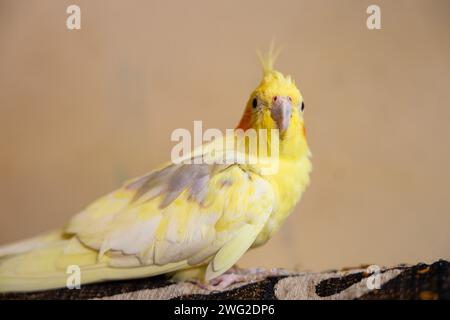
(281,112)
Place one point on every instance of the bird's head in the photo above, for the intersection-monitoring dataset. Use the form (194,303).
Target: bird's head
(275,104)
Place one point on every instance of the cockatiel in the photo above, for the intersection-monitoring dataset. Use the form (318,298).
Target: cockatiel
(187,220)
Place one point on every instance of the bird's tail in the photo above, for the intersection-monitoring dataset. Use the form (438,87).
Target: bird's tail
(31,244)
(56,260)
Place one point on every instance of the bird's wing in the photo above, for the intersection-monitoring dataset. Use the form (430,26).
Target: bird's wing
(179,216)
(197,213)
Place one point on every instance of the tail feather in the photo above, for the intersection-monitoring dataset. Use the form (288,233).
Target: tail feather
(46,267)
(31,243)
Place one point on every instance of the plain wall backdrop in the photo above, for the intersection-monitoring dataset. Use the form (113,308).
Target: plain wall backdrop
(82,111)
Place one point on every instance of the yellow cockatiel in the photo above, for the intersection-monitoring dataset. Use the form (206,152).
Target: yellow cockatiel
(188,220)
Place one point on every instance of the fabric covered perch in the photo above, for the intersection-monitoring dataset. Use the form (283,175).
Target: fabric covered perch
(420,281)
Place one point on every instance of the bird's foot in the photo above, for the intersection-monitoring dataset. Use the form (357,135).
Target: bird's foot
(235,275)
(221,282)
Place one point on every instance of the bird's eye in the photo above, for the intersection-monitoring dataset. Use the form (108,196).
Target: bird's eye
(254,103)
(302,107)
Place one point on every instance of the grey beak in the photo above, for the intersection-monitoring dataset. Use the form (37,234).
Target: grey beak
(281,112)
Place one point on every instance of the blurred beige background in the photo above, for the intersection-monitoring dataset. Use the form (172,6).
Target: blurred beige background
(81,111)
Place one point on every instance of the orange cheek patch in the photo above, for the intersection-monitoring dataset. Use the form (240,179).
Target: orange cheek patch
(304,131)
(244,124)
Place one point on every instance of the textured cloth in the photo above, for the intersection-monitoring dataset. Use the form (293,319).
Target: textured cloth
(419,281)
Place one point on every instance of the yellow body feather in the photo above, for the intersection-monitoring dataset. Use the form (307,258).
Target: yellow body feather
(192,219)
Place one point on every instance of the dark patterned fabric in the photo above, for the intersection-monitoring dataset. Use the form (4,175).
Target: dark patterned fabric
(92,291)
(420,281)
(262,290)
(332,286)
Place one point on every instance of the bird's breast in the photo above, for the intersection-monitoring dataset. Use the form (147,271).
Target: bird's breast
(289,184)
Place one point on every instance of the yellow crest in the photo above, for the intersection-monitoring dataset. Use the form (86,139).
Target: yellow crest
(268,60)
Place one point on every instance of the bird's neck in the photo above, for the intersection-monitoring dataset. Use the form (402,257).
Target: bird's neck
(292,144)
